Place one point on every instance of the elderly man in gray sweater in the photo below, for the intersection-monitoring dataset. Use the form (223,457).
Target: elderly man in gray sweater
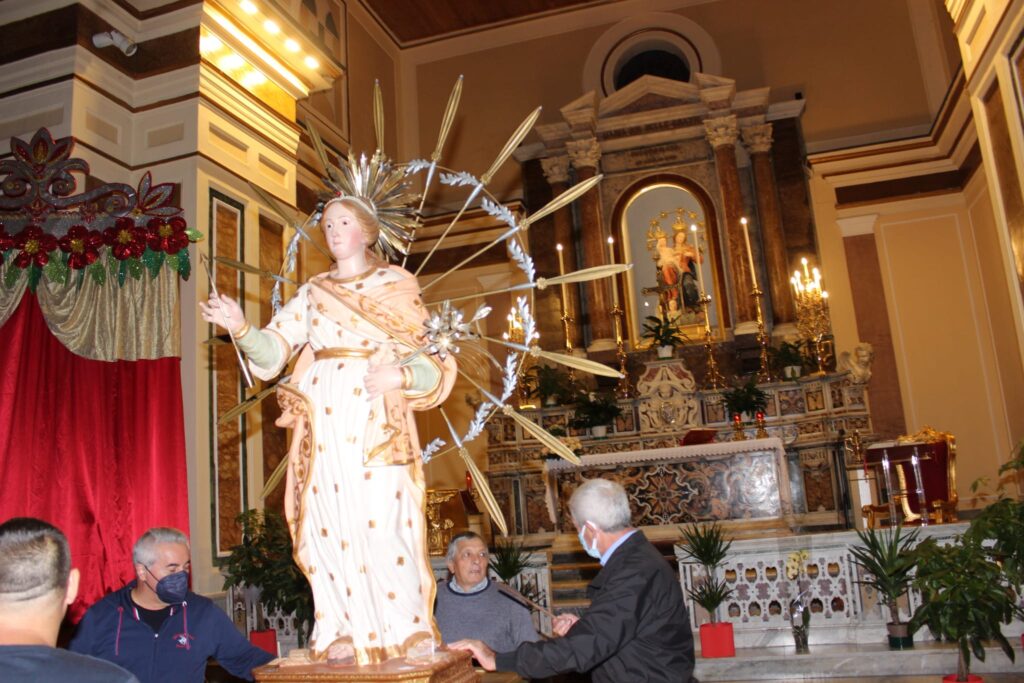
(470,605)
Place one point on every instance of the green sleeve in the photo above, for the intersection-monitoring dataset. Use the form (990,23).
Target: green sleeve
(261,348)
(425,375)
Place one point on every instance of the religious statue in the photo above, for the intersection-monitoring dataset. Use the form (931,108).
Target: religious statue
(858,363)
(676,266)
(355,487)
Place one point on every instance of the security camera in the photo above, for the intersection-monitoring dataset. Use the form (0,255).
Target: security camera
(117,39)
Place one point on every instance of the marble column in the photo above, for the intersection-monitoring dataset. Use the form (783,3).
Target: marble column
(585,156)
(758,140)
(556,171)
(722,133)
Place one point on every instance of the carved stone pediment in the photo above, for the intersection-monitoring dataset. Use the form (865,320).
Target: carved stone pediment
(649,93)
(667,403)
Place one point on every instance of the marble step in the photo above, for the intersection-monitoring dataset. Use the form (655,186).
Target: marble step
(842,660)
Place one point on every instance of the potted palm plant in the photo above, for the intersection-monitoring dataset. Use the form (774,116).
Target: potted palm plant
(596,412)
(664,334)
(707,546)
(788,358)
(964,599)
(551,385)
(745,399)
(887,560)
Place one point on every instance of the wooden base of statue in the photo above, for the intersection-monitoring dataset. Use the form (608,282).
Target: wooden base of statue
(445,667)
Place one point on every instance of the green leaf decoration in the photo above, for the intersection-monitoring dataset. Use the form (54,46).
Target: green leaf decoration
(35,273)
(98,273)
(172,261)
(56,270)
(193,235)
(80,278)
(12,275)
(112,263)
(134,268)
(122,273)
(184,266)
(152,260)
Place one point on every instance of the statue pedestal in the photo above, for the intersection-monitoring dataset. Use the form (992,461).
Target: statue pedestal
(446,667)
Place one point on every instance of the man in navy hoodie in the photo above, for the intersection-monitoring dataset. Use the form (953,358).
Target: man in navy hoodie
(158,629)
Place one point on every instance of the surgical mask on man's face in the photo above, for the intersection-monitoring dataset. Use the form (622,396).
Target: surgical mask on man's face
(590,550)
(172,588)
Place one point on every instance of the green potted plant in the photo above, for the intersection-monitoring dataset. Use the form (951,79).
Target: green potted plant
(263,560)
(887,561)
(789,359)
(596,412)
(664,334)
(550,384)
(707,546)
(964,599)
(745,399)
(508,561)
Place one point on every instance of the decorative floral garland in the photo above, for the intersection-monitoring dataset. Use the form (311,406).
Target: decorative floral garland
(113,230)
(122,250)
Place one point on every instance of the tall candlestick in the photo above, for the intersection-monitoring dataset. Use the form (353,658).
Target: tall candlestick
(922,503)
(561,271)
(615,284)
(750,254)
(888,487)
(696,249)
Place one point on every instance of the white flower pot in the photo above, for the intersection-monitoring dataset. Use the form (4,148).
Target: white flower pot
(599,431)
(665,351)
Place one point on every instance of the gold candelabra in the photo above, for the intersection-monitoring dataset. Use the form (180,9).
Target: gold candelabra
(812,318)
(517,335)
(764,372)
(566,319)
(713,378)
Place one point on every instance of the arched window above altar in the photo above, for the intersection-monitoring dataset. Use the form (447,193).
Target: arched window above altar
(652,43)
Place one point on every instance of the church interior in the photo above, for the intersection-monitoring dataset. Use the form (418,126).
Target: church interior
(787,356)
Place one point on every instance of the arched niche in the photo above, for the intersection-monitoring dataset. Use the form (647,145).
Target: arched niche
(646,225)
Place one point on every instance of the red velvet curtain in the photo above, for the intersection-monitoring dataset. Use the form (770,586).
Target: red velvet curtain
(95,448)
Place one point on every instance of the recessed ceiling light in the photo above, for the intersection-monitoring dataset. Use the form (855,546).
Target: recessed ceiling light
(230,62)
(209,43)
(251,79)
(291,45)
(271,28)
(248,7)
(311,62)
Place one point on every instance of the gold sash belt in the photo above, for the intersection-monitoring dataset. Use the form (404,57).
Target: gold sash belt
(337,352)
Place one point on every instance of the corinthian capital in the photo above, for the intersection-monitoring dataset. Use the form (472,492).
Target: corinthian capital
(556,169)
(583,153)
(758,139)
(721,131)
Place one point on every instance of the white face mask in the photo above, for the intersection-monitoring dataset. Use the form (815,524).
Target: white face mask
(590,550)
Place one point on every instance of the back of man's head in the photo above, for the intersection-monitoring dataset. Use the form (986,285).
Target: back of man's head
(34,562)
(601,502)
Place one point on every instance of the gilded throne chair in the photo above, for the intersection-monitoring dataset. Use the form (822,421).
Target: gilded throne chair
(908,493)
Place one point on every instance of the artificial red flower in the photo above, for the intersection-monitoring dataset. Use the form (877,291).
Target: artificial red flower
(126,240)
(168,236)
(35,246)
(83,246)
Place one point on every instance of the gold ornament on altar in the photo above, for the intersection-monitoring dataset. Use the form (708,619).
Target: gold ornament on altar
(812,315)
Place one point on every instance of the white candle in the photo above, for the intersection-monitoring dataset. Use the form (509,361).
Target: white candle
(750,254)
(611,260)
(922,505)
(696,249)
(807,276)
(561,271)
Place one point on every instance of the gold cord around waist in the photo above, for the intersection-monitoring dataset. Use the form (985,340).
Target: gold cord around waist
(337,352)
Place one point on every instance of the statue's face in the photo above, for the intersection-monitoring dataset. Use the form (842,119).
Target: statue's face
(470,565)
(342,232)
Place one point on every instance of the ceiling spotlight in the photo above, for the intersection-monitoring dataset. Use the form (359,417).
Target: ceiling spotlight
(311,62)
(117,39)
(271,28)
(209,43)
(230,62)
(251,79)
(248,7)
(291,45)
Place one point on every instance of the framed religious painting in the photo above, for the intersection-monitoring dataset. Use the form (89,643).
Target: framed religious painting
(667,229)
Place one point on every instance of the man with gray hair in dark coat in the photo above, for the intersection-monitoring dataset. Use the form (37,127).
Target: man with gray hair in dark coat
(636,628)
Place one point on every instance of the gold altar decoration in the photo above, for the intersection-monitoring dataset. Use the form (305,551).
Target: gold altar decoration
(812,318)
(517,335)
(713,379)
(622,389)
(764,372)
